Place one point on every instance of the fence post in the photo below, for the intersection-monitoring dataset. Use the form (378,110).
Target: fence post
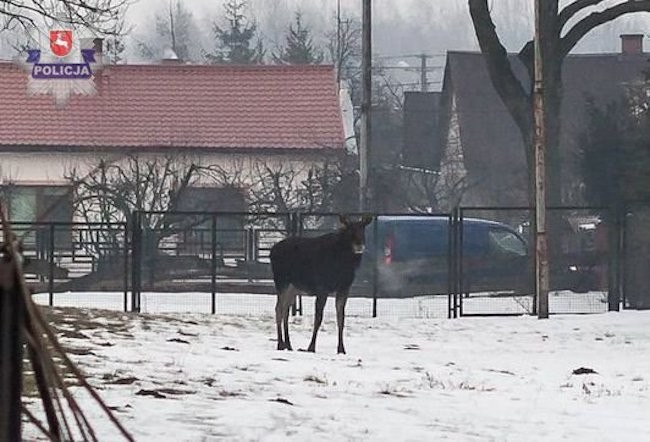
(293,223)
(624,256)
(213,265)
(136,262)
(126,266)
(295,229)
(461,261)
(248,254)
(458,263)
(50,271)
(451,262)
(256,244)
(375,271)
(613,263)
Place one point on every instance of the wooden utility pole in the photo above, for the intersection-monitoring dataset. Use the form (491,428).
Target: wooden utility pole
(338,44)
(366,99)
(11,340)
(541,241)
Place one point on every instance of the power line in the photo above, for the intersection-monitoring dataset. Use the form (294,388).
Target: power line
(412,68)
(410,55)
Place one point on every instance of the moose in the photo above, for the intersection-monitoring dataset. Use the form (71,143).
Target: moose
(320,266)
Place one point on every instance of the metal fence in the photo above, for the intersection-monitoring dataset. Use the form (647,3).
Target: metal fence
(578,255)
(75,257)
(219,263)
(635,255)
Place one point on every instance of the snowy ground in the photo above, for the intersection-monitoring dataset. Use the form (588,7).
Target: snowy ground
(430,306)
(197,377)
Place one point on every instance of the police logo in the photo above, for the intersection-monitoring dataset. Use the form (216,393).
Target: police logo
(53,72)
(61,42)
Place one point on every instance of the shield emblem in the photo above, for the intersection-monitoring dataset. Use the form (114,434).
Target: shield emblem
(61,42)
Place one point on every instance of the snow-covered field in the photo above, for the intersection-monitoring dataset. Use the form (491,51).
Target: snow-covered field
(430,306)
(199,377)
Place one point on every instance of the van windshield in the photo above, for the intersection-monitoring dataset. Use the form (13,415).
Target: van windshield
(503,241)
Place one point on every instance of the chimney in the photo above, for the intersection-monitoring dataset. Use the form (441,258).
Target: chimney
(95,44)
(170,57)
(98,46)
(631,44)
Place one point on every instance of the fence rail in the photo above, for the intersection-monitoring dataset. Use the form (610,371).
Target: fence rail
(218,262)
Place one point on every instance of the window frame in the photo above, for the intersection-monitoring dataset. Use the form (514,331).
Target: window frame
(496,248)
(38,236)
(40,200)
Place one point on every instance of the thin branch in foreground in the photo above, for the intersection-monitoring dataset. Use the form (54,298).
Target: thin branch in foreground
(43,346)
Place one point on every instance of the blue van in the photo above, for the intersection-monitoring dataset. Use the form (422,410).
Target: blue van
(412,256)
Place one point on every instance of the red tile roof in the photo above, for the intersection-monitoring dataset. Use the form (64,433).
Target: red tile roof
(175,105)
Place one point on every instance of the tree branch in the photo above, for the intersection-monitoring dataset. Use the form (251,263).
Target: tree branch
(572,9)
(100,16)
(496,58)
(596,19)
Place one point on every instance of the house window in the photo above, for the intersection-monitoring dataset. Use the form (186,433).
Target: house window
(230,227)
(29,204)
(38,203)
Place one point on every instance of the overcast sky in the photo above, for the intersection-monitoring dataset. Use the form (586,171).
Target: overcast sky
(400,27)
(403,26)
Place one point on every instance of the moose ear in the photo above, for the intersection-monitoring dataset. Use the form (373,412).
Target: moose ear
(366,219)
(344,220)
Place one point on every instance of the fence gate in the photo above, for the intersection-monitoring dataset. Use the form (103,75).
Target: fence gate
(495,268)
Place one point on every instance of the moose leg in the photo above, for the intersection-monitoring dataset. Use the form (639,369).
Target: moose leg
(318,318)
(282,316)
(278,319)
(341,299)
(290,299)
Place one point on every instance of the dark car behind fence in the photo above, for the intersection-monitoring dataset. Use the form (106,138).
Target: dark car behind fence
(473,261)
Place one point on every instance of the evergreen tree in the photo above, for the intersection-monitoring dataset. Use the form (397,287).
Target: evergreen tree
(615,158)
(235,44)
(114,45)
(299,46)
(615,150)
(115,49)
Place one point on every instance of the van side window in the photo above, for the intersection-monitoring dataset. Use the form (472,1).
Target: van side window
(505,242)
(416,240)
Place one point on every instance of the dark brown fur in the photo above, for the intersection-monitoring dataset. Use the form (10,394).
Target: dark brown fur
(318,266)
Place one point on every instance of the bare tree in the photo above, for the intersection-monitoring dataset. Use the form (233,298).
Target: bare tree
(100,16)
(114,190)
(174,28)
(274,188)
(231,176)
(344,47)
(422,195)
(281,187)
(561,29)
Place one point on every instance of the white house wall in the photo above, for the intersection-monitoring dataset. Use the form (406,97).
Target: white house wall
(238,170)
(51,168)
